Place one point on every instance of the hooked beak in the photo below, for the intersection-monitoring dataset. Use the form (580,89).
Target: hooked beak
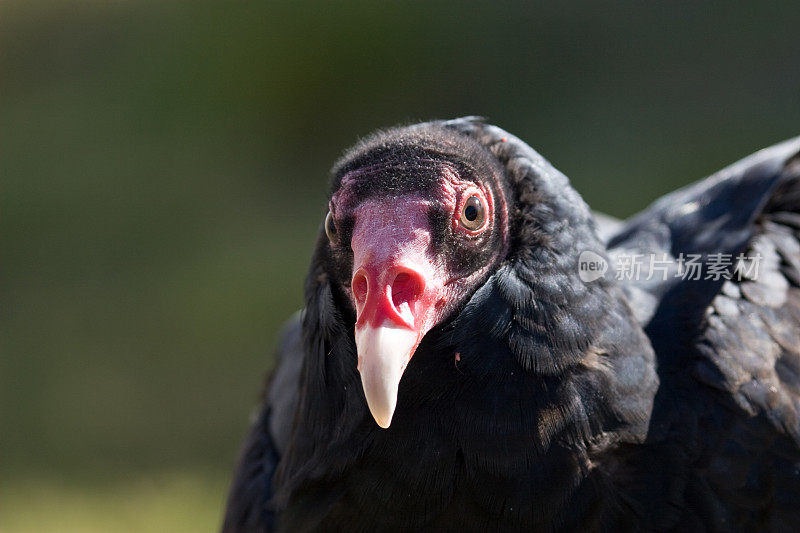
(396,307)
(397,291)
(383,354)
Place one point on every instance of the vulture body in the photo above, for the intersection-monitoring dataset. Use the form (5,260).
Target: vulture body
(534,399)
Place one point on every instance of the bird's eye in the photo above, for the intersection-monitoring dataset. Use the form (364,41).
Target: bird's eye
(473,215)
(330,228)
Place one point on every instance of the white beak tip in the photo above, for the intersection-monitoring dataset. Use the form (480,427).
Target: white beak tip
(383,354)
(383,423)
(381,400)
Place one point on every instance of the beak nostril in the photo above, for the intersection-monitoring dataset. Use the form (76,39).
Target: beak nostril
(406,288)
(391,293)
(360,287)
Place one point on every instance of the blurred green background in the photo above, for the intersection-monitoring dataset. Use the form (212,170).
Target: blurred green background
(164,172)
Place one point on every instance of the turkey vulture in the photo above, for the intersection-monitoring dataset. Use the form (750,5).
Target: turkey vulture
(476,352)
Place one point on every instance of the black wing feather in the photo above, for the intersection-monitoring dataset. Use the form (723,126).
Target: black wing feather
(728,350)
(750,348)
(249,507)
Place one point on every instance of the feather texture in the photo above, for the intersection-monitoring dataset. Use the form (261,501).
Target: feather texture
(544,402)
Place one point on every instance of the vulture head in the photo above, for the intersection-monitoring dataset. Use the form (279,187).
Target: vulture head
(417,220)
(448,226)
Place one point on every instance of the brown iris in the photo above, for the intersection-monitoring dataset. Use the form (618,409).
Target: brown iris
(330,228)
(473,214)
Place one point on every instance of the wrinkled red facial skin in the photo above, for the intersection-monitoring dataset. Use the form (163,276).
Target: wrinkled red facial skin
(397,280)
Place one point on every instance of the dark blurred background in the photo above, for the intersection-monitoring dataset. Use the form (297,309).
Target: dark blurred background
(164,173)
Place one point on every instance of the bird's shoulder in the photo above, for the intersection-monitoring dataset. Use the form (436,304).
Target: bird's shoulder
(249,506)
(728,346)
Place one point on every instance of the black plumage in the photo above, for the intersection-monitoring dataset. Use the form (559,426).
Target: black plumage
(542,402)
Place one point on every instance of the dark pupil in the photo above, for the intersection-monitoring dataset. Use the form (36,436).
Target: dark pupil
(331,226)
(471,213)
